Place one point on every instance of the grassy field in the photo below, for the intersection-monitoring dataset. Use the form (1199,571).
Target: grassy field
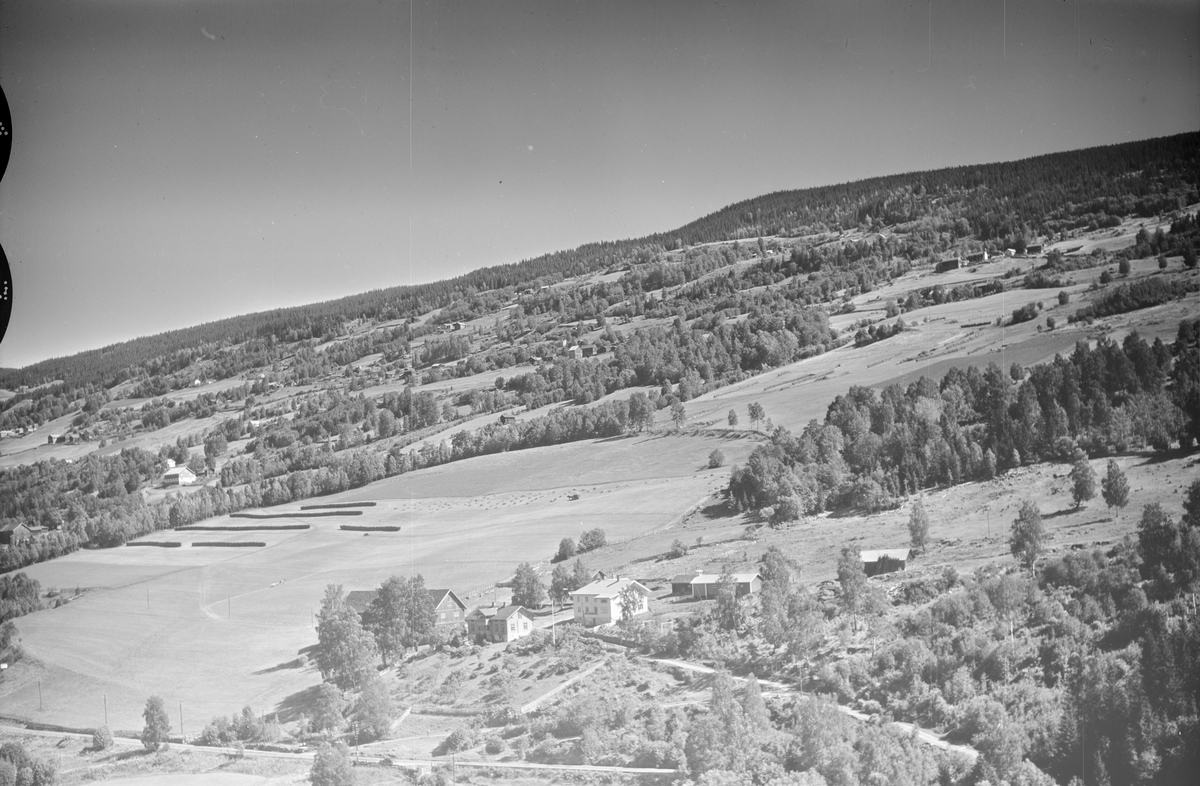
(969,524)
(220,628)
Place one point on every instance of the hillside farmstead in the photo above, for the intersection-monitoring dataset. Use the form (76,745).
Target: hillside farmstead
(602,602)
(884,561)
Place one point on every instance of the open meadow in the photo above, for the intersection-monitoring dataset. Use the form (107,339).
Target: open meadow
(221,628)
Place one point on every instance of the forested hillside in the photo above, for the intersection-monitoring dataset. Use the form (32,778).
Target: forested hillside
(997,204)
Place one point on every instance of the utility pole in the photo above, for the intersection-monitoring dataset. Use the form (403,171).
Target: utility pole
(39,694)
(106,709)
(147,598)
(182,737)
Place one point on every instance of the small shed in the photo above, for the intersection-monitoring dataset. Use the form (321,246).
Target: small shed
(947,265)
(879,561)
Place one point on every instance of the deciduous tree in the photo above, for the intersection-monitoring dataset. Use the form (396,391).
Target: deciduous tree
(853,581)
(158,724)
(401,615)
(331,766)
(345,650)
(528,590)
(1083,481)
(678,415)
(757,415)
(1114,487)
(327,708)
(1025,542)
(918,526)
(560,584)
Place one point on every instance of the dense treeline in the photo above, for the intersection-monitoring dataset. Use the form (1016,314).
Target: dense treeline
(704,356)
(990,203)
(19,595)
(875,447)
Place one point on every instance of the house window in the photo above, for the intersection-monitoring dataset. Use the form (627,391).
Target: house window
(441,615)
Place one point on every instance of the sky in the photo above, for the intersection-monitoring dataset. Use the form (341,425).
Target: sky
(181,161)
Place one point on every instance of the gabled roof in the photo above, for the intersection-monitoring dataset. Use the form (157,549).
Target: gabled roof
(610,588)
(504,612)
(713,578)
(11,526)
(439,595)
(875,555)
(178,471)
(487,612)
(360,599)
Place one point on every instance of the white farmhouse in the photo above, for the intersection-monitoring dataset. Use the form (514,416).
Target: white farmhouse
(601,602)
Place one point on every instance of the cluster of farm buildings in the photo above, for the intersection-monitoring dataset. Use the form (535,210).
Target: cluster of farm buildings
(604,601)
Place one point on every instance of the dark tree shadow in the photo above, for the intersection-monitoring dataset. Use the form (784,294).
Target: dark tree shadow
(1158,457)
(297,704)
(718,510)
(1063,512)
(294,663)
(136,753)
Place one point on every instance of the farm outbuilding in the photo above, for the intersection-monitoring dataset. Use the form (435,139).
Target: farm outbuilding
(707,585)
(947,265)
(178,476)
(14,532)
(879,561)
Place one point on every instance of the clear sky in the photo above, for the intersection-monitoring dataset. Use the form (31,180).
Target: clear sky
(180,161)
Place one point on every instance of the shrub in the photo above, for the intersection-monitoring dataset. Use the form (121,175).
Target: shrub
(678,549)
(716,459)
(461,739)
(331,766)
(1123,267)
(592,539)
(1024,313)
(102,738)
(1064,298)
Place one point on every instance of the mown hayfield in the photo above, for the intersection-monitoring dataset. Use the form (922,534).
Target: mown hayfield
(221,628)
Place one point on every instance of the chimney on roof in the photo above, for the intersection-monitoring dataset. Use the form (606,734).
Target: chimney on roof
(699,572)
